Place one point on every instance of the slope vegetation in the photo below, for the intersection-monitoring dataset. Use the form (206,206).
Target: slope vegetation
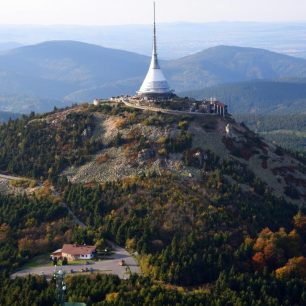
(222,216)
(111,142)
(288,131)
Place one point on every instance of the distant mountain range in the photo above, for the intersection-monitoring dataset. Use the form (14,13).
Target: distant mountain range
(5,116)
(64,72)
(191,37)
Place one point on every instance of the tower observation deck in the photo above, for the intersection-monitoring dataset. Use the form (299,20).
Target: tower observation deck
(155,84)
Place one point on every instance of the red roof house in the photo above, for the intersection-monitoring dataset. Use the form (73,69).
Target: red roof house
(75,252)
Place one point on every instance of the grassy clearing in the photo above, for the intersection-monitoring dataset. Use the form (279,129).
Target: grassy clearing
(80,262)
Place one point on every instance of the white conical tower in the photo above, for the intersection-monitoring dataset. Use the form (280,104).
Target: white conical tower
(155,83)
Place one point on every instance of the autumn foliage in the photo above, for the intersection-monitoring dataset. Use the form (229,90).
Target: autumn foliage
(282,251)
(295,267)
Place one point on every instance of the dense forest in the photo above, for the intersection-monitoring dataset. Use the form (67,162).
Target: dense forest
(45,146)
(29,226)
(185,238)
(221,239)
(102,290)
(224,248)
(288,131)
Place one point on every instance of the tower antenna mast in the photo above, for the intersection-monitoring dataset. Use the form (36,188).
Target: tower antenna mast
(154,42)
(155,84)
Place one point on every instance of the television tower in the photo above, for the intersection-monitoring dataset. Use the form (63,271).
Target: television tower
(155,83)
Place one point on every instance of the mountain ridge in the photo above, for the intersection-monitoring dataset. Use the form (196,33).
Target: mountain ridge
(232,64)
(70,72)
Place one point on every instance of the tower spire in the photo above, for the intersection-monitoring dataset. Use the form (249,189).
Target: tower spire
(154,33)
(155,64)
(155,83)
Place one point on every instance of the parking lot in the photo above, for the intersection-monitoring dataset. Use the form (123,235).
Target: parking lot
(109,265)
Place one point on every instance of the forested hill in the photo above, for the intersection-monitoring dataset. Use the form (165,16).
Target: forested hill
(224,64)
(39,77)
(259,97)
(110,142)
(213,219)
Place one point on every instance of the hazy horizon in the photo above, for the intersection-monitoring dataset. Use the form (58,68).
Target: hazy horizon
(122,12)
(192,37)
(150,23)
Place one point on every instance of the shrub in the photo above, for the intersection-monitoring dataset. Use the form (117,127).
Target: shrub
(65,261)
(183,125)
(120,123)
(102,158)
(162,152)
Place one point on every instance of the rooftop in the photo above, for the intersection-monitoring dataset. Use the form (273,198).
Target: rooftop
(75,249)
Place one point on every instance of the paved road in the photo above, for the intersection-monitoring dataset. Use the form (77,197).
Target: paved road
(107,266)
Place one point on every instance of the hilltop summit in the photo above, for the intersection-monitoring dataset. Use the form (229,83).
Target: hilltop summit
(140,142)
(111,142)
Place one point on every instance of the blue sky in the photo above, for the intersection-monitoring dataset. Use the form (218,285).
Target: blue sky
(111,12)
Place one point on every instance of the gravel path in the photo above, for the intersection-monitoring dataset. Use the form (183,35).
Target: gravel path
(5,186)
(162,110)
(9,177)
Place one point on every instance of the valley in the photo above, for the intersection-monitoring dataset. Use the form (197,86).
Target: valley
(287,131)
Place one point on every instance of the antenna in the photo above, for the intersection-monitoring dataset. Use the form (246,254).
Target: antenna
(154,31)
(154,62)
